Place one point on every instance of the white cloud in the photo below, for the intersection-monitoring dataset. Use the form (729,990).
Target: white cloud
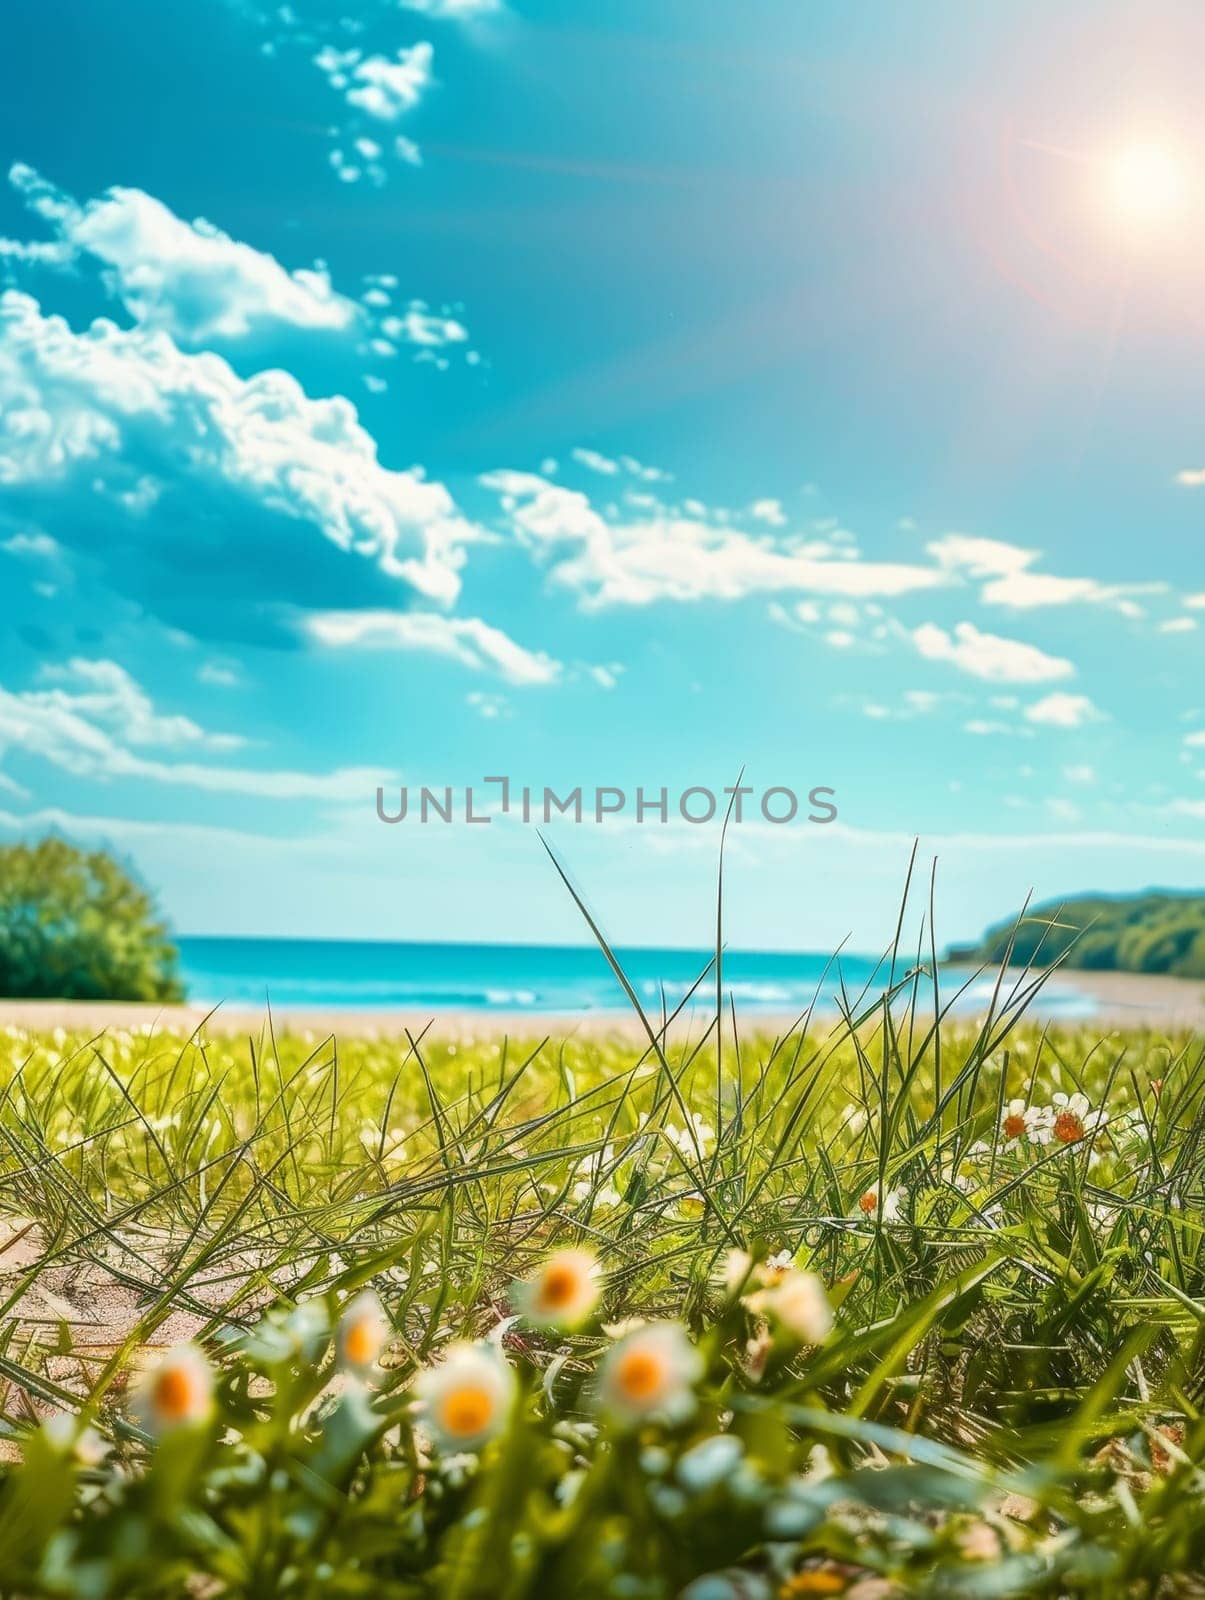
(35,546)
(1009,581)
(95,731)
(1065,810)
(37,252)
(914,703)
(1195,740)
(1061,710)
(1191,477)
(202,840)
(667,555)
(454,10)
(648,474)
(987,655)
(1178,625)
(489,706)
(465,639)
(383,88)
(1195,602)
(595,461)
(769,512)
(219,675)
(609,467)
(188,278)
(106,693)
(1083,773)
(422,327)
(109,406)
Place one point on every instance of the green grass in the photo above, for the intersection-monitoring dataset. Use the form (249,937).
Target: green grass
(1020,1350)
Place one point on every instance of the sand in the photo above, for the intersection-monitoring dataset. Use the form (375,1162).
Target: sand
(1122,999)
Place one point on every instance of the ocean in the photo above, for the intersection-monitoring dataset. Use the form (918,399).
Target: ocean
(330,974)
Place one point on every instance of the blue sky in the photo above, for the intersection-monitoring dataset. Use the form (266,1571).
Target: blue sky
(614,395)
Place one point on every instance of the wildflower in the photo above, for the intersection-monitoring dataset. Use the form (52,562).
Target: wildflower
(1022,1123)
(177,1392)
(739,1271)
(889,1211)
(757,1353)
(736,1271)
(650,1372)
(456,1470)
(690,1142)
(595,1184)
(465,1400)
(626,1325)
(1073,1117)
(799,1304)
(563,1292)
(362,1333)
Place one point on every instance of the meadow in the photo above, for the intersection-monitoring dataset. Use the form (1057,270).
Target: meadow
(887,1304)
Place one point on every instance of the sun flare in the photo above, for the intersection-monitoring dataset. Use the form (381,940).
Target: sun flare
(1148,184)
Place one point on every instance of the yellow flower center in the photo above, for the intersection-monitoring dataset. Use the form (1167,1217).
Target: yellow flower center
(869,1202)
(559,1286)
(467,1411)
(1068,1127)
(1014,1125)
(173,1394)
(640,1376)
(360,1341)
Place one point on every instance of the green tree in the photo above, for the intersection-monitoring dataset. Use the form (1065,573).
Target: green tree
(74,925)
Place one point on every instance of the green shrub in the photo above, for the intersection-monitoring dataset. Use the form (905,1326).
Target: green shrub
(75,925)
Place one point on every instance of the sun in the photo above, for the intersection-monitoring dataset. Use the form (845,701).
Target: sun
(1148,184)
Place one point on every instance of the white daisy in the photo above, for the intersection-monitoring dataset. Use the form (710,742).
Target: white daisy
(563,1293)
(1025,1124)
(736,1270)
(869,1206)
(362,1333)
(799,1304)
(650,1373)
(176,1392)
(693,1140)
(592,1185)
(465,1400)
(1073,1117)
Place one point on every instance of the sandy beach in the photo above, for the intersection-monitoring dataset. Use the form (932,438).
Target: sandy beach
(1120,999)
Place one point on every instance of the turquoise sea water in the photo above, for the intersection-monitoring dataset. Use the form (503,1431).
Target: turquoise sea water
(349,975)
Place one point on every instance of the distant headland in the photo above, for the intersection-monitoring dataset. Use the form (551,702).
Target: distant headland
(1157,931)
